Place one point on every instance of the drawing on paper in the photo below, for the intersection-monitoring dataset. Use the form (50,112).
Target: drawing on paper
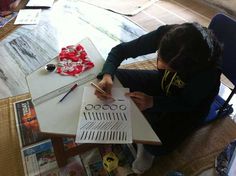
(104,122)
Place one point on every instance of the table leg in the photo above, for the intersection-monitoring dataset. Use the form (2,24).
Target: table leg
(59,151)
(62,155)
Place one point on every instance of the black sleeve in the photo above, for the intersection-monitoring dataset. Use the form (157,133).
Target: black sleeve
(146,44)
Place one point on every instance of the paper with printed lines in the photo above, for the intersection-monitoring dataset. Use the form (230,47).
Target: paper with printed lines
(104,122)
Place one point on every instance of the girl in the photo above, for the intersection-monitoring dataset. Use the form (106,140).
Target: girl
(177,96)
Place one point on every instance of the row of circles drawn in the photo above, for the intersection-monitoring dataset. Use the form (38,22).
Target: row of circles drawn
(105,107)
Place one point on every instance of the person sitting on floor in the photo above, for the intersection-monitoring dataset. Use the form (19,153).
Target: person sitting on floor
(177,96)
(8,6)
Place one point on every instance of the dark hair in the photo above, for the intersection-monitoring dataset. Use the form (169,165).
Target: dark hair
(189,47)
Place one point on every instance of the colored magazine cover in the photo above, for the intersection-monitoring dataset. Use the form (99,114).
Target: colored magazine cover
(27,123)
(73,168)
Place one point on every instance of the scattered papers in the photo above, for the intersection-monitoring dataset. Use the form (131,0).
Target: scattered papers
(40,3)
(104,122)
(28,16)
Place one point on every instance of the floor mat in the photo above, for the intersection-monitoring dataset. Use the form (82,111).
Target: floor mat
(10,160)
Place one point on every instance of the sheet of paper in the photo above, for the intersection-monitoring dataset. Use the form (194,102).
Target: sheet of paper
(28,16)
(40,3)
(104,122)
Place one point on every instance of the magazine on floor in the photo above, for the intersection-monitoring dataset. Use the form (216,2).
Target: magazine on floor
(74,167)
(39,158)
(27,123)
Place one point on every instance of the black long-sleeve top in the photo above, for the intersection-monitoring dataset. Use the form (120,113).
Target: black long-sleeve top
(187,92)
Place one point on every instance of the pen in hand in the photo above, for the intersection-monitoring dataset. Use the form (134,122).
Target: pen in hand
(100,89)
(72,88)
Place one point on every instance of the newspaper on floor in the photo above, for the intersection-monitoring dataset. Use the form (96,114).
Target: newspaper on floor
(39,158)
(27,123)
(28,126)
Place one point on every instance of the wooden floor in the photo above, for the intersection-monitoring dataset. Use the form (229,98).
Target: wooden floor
(173,11)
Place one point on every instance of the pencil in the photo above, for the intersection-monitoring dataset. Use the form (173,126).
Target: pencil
(71,89)
(100,90)
(97,88)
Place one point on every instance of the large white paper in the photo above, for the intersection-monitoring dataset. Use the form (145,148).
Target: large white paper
(28,16)
(104,121)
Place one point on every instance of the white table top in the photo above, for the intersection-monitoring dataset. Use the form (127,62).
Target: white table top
(62,118)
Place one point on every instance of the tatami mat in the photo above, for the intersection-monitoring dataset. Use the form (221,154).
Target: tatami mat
(10,160)
(173,11)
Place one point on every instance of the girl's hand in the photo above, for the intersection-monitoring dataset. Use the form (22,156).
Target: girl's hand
(105,84)
(142,100)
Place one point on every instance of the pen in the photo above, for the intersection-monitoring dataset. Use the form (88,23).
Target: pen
(72,88)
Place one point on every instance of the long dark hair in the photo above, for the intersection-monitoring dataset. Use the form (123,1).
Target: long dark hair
(189,48)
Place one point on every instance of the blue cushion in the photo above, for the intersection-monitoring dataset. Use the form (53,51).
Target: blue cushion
(218,102)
